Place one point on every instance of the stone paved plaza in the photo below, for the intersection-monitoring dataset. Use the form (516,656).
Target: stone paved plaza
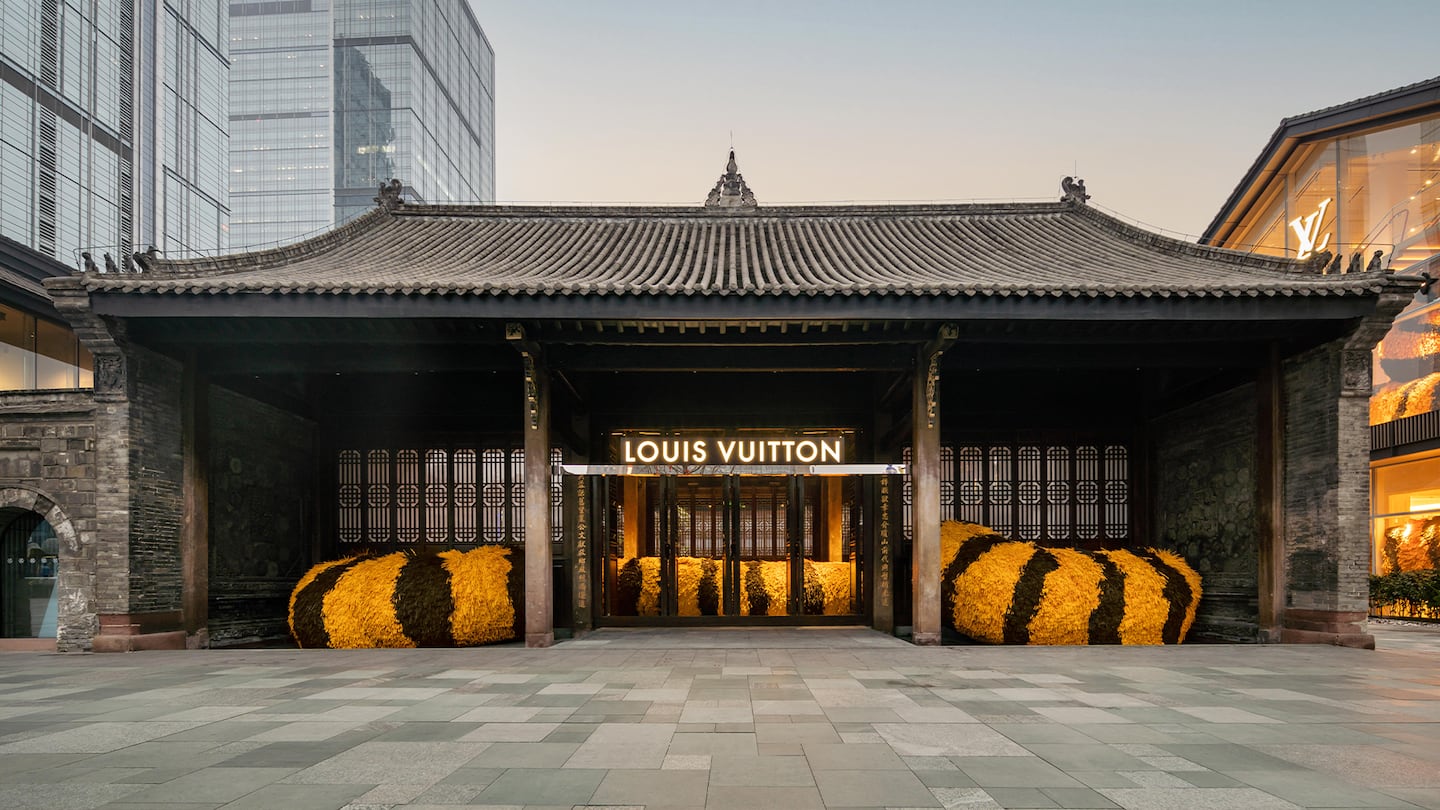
(727,718)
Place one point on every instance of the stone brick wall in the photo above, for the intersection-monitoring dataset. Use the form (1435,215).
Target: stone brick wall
(47,466)
(1203,457)
(261,497)
(156,470)
(1327,488)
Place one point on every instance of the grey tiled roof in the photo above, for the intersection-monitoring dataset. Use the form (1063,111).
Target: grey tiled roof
(1043,249)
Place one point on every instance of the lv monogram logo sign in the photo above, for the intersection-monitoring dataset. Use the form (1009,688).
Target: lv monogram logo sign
(1307,230)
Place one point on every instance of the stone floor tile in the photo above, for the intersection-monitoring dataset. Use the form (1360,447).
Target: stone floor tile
(411,763)
(525,786)
(218,785)
(1193,798)
(651,788)
(1310,789)
(743,771)
(860,757)
(1224,714)
(1030,772)
(508,732)
(964,798)
(686,762)
(796,733)
(624,745)
(524,755)
(712,743)
(1023,797)
(856,788)
(1363,765)
(1077,798)
(1092,757)
(772,798)
(949,779)
(472,776)
(947,739)
(69,796)
(294,797)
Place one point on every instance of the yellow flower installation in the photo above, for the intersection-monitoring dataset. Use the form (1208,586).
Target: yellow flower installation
(772,576)
(1008,592)
(404,599)
(1071,593)
(483,611)
(1398,400)
(983,593)
(360,609)
(835,583)
(1145,605)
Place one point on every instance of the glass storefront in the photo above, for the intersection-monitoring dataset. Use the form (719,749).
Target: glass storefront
(40,354)
(1405,528)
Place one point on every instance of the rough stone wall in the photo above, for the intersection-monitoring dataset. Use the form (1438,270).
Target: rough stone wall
(1205,510)
(156,473)
(1327,490)
(260,483)
(47,465)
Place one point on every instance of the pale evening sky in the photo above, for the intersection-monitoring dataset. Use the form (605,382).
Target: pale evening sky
(1160,105)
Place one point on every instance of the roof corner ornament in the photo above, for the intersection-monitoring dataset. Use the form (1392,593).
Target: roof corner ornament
(1376,265)
(1072,190)
(389,198)
(87,264)
(1356,264)
(145,260)
(731,190)
(1320,261)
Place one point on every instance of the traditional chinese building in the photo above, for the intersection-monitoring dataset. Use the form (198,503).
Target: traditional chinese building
(652,401)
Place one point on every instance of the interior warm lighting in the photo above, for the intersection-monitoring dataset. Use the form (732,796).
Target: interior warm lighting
(1429,502)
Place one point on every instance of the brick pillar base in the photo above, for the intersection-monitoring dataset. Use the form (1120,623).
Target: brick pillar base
(1343,628)
(132,632)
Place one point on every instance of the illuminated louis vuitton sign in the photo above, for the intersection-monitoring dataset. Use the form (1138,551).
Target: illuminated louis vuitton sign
(1307,231)
(789,450)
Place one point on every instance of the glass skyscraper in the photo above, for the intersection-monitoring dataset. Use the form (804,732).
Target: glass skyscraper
(331,98)
(113,127)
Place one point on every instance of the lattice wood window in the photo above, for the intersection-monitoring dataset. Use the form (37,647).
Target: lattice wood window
(452,496)
(1052,493)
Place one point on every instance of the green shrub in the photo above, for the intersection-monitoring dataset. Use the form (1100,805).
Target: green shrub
(1413,592)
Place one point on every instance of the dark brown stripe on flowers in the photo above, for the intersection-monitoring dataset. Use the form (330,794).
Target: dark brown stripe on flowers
(424,602)
(308,623)
(1026,601)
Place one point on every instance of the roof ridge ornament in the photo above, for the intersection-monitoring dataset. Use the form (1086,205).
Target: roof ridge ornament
(1072,190)
(389,198)
(730,190)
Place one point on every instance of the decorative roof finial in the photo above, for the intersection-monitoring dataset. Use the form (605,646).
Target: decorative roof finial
(1072,190)
(731,190)
(389,197)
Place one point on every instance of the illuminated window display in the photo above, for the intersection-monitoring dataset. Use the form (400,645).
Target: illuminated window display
(1406,530)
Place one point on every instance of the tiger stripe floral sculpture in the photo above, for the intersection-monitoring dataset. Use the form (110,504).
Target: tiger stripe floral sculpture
(1005,591)
(447,599)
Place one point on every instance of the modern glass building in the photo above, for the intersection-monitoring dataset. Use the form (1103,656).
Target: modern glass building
(182,127)
(331,98)
(1341,186)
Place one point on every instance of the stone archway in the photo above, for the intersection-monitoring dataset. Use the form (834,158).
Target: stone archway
(76,621)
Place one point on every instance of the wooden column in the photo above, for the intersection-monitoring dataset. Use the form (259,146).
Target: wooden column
(195,492)
(1270,503)
(539,591)
(925,499)
(535,416)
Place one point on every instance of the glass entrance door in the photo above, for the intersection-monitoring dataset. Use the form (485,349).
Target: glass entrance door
(732,546)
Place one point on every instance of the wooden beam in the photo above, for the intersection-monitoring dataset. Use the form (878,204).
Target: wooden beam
(1270,495)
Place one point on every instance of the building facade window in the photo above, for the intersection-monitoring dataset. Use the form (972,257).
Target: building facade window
(36,353)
